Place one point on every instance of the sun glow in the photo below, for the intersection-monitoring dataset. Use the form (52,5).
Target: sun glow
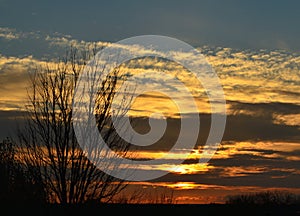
(183,185)
(187,168)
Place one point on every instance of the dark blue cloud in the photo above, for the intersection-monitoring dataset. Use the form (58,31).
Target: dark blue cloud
(243,24)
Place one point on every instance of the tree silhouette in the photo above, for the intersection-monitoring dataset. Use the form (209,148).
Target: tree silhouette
(51,152)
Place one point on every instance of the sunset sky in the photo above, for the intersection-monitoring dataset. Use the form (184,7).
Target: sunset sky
(253,46)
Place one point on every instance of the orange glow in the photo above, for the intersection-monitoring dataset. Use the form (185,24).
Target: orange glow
(160,103)
(187,168)
(150,155)
(195,193)
(290,119)
(183,185)
(229,149)
(235,171)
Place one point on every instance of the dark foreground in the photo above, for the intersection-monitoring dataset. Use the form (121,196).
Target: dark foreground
(147,209)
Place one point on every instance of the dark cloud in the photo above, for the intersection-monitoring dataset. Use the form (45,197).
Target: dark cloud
(265,109)
(234,23)
(10,121)
(275,167)
(246,169)
(239,127)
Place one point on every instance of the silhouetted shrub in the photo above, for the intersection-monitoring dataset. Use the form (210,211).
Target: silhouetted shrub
(265,198)
(16,185)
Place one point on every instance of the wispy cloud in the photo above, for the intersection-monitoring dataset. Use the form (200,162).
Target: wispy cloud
(247,76)
(9,34)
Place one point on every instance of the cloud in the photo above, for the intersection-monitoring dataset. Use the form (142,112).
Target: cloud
(289,119)
(13,81)
(253,76)
(9,34)
(247,76)
(10,120)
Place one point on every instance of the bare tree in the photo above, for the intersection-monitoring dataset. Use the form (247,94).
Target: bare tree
(49,146)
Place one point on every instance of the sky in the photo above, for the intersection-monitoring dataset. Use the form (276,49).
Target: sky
(253,46)
(238,24)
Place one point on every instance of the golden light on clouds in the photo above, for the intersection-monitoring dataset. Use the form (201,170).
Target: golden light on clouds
(246,75)
(250,77)
(289,119)
(187,168)
(165,80)
(227,150)
(151,103)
